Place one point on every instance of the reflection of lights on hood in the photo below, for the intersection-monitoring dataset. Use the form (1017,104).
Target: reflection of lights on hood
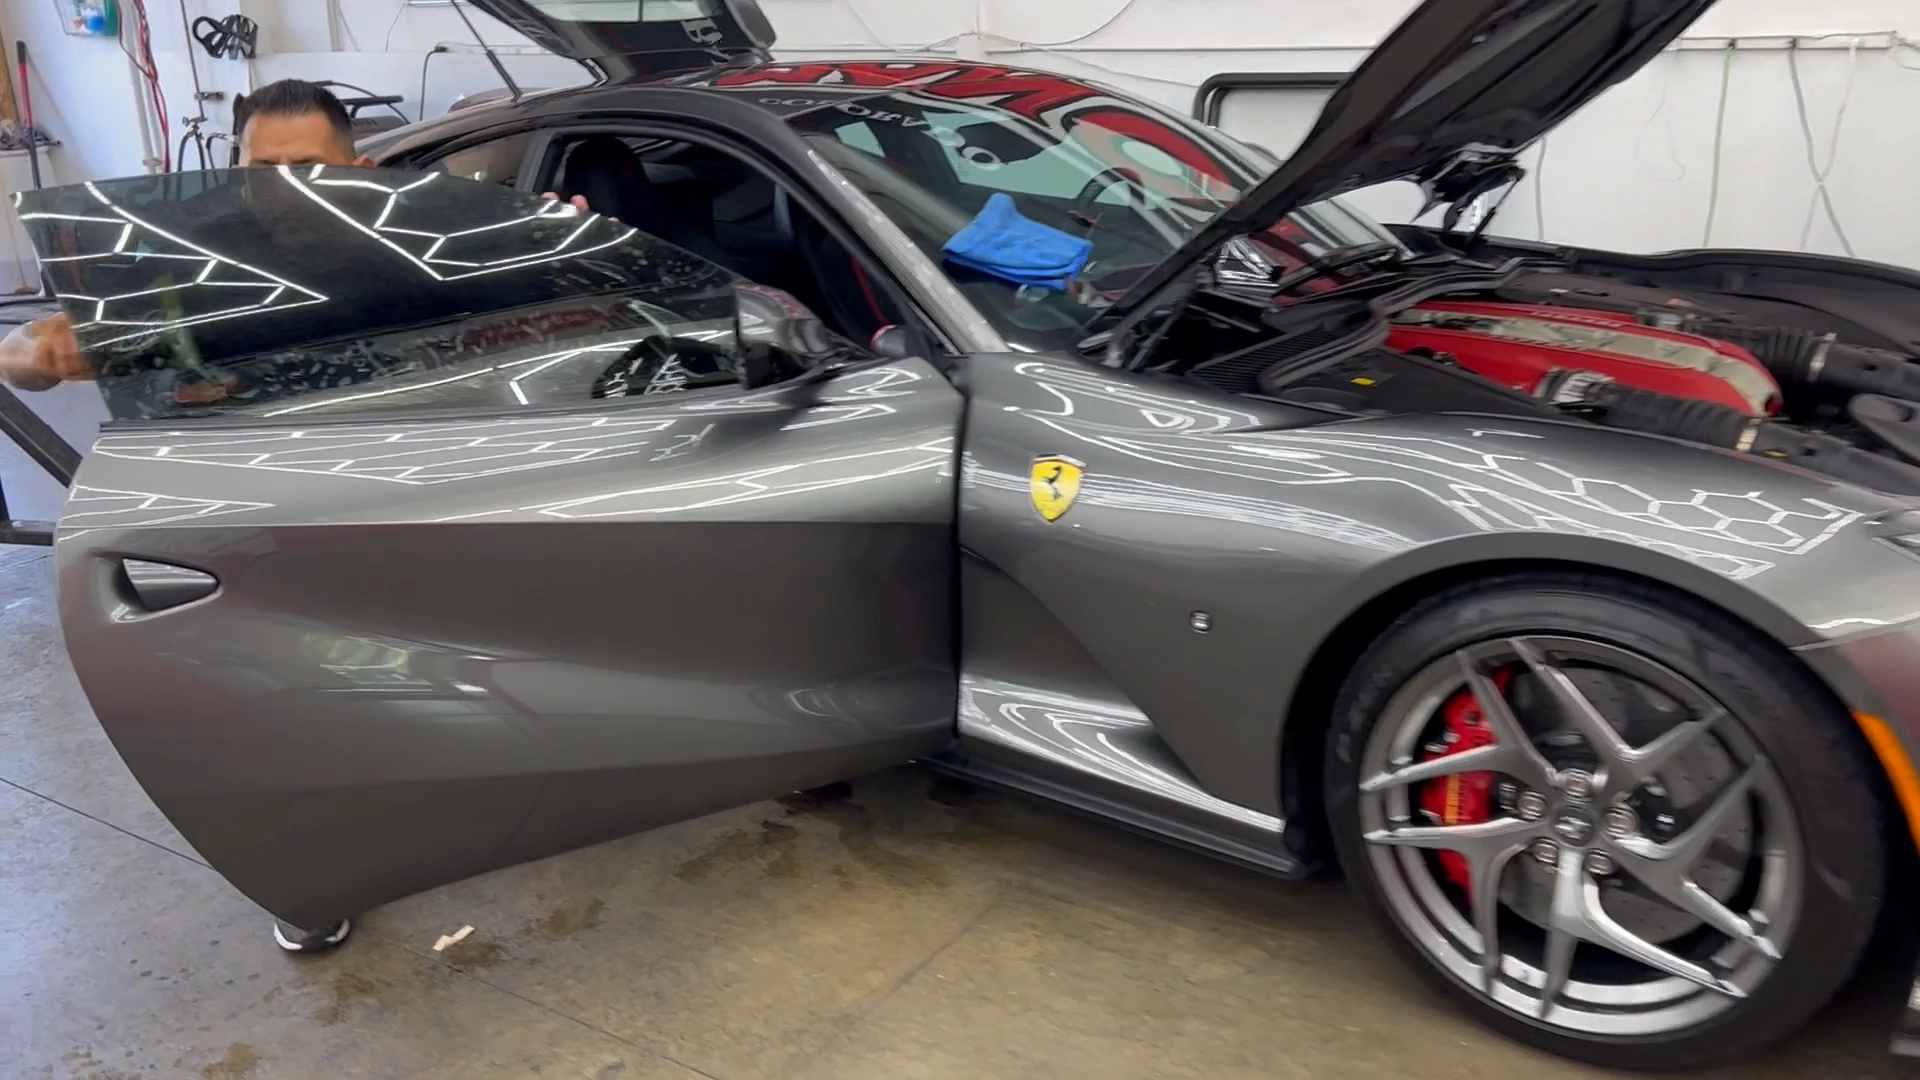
(383,233)
(276,286)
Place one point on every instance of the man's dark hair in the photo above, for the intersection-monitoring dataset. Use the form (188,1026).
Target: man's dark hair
(294,97)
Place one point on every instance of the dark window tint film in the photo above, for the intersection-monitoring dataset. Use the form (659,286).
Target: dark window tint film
(328,289)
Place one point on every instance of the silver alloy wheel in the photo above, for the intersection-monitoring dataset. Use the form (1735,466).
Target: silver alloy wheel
(1574,815)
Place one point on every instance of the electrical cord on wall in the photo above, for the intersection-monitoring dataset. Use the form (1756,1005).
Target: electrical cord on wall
(387,46)
(1031,47)
(426,62)
(1099,28)
(1900,42)
(1673,148)
(873,35)
(1821,197)
(1719,141)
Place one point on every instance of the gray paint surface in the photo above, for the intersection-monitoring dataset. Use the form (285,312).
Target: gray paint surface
(1278,528)
(442,642)
(536,634)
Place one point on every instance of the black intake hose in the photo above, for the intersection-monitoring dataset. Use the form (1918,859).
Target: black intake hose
(1611,405)
(1805,358)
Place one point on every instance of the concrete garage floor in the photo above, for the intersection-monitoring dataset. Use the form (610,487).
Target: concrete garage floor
(918,928)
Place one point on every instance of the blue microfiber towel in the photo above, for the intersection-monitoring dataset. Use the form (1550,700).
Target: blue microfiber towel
(1000,242)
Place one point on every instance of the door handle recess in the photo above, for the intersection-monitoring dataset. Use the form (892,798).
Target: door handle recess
(159,586)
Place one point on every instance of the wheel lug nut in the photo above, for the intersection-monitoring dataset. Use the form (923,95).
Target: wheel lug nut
(1621,821)
(1578,785)
(1531,804)
(1546,851)
(1598,864)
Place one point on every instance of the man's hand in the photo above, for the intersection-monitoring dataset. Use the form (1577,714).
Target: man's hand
(42,354)
(579,201)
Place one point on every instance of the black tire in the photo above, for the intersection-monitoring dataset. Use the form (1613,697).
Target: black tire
(1805,733)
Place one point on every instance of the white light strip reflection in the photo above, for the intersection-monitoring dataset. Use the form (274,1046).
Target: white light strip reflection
(552,358)
(380,393)
(128,221)
(423,263)
(556,359)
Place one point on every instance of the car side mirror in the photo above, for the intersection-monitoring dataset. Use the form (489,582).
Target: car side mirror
(900,343)
(779,338)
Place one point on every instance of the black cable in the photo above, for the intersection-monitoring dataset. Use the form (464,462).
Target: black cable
(368,93)
(180,156)
(424,64)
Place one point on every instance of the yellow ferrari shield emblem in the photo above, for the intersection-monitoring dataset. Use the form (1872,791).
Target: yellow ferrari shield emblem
(1055,483)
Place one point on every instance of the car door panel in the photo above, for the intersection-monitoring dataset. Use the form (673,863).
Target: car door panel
(438,644)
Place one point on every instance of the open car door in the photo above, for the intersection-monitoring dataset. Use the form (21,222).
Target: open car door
(437,530)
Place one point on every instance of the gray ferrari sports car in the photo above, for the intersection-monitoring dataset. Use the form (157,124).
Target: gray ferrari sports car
(923,410)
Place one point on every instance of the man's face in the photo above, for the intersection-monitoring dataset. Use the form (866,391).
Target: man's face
(307,139)
(291,141)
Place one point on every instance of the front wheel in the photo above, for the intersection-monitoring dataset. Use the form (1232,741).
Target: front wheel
(1610,821)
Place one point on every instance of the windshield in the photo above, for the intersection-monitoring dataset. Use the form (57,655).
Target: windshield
(1074,159)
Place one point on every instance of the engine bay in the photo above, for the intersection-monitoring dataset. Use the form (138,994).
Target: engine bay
(1804,382)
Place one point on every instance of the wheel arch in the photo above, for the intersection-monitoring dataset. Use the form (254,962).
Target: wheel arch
(1376,599)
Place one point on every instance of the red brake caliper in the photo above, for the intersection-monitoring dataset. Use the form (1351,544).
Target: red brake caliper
(1463,798)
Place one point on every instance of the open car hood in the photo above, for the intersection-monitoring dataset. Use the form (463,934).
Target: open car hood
(627,39)
(1458,80)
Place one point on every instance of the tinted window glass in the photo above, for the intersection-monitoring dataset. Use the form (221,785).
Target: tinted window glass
(325,289)
(497,162)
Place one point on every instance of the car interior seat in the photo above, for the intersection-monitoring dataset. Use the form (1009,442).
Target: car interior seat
(610,176)
(853,302)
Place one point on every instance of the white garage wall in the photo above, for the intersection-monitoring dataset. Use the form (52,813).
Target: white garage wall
(1635,170)
(1632,171)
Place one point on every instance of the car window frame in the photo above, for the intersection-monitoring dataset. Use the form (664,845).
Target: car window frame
(541,163)
(523,173)
(420,164)
(429,157)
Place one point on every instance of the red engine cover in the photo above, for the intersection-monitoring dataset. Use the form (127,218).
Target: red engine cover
(1516,345)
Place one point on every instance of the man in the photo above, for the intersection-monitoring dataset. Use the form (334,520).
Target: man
(290,122)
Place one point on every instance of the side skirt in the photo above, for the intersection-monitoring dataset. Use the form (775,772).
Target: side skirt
(1079,795)
(1106,760)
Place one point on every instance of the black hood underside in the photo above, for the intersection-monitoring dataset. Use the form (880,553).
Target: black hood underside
(1458,80)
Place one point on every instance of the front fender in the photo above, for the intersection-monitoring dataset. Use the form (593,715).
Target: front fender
(1455,556)
(1250,520)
